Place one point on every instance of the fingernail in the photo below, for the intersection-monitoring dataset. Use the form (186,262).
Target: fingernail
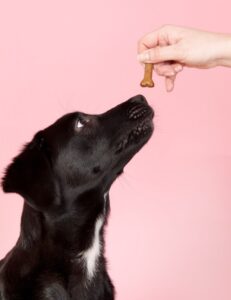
(169,88)
(143,56)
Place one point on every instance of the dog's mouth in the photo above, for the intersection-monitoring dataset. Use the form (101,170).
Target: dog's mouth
(140,128)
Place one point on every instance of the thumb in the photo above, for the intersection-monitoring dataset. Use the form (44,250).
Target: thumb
(159,54)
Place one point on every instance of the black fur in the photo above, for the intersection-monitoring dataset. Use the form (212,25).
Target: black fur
(63,174)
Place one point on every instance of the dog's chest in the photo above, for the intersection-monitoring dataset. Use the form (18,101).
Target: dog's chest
(90,256)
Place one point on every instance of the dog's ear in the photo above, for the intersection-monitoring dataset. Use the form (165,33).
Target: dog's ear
(30,175)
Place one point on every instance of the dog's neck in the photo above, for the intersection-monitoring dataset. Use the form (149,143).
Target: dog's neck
(60,225)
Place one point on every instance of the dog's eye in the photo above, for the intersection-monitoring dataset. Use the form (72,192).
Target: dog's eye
(79,124)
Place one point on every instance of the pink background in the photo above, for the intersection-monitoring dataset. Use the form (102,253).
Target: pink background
(169,236)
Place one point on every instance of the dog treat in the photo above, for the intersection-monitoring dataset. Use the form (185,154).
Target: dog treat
(147,80)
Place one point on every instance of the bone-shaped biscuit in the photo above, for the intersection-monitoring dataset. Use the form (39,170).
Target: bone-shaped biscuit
(147,80)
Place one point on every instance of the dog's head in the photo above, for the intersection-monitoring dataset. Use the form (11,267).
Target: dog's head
(79,152)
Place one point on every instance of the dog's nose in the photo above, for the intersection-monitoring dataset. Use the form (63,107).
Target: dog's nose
(139,99)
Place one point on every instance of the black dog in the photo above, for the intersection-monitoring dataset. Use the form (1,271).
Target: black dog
(64,174)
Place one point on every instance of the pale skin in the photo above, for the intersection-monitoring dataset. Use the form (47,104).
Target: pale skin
(171,48)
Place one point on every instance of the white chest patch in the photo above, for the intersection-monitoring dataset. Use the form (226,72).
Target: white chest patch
(91,255)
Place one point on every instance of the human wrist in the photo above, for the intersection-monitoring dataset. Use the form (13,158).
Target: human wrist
(224,55)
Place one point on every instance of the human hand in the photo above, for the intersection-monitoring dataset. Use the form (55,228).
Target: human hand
(170,48)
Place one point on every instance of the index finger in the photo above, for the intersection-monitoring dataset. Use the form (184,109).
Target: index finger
(148,41)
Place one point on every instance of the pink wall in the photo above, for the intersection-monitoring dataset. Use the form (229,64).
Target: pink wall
(169,235)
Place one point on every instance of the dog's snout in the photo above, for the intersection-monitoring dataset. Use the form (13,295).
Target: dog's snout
(137,112)
(139,108)
(139,99)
